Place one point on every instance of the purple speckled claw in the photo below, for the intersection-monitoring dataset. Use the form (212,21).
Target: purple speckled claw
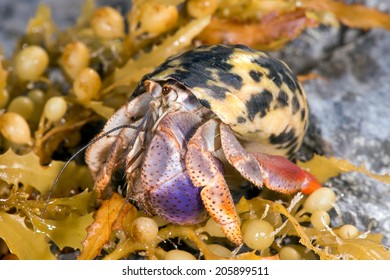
(167,188)
(179,201)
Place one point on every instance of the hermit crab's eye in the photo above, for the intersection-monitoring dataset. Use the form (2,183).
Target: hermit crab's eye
(166,89)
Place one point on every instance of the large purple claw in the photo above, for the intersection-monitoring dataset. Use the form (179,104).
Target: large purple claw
(178,200)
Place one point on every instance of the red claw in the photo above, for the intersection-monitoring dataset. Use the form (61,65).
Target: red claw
(281,175)
(311,184)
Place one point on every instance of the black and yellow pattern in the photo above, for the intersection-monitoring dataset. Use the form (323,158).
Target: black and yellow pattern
(256,95)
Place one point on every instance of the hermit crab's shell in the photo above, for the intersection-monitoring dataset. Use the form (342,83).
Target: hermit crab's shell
(256,95)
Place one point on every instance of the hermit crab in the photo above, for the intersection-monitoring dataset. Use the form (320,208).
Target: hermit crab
(196,114)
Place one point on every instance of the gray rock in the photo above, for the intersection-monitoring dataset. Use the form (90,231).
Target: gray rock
(350,108)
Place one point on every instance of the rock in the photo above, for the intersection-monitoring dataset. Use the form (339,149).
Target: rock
(351,106)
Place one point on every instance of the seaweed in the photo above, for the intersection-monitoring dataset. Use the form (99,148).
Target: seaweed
(73,218)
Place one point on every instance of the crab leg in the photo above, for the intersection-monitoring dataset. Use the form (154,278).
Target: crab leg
(102,157)
(205,171)
(278,173)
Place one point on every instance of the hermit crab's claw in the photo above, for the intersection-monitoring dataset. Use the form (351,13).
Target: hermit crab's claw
(205,171)
(103,156)
(277,173)
(167,190)
(283,176)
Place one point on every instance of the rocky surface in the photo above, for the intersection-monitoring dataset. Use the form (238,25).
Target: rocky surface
(352,111)
(350,106)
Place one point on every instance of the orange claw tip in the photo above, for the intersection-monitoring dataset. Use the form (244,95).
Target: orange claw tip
(310,184)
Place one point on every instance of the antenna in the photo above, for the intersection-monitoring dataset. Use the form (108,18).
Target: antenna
(105,134)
